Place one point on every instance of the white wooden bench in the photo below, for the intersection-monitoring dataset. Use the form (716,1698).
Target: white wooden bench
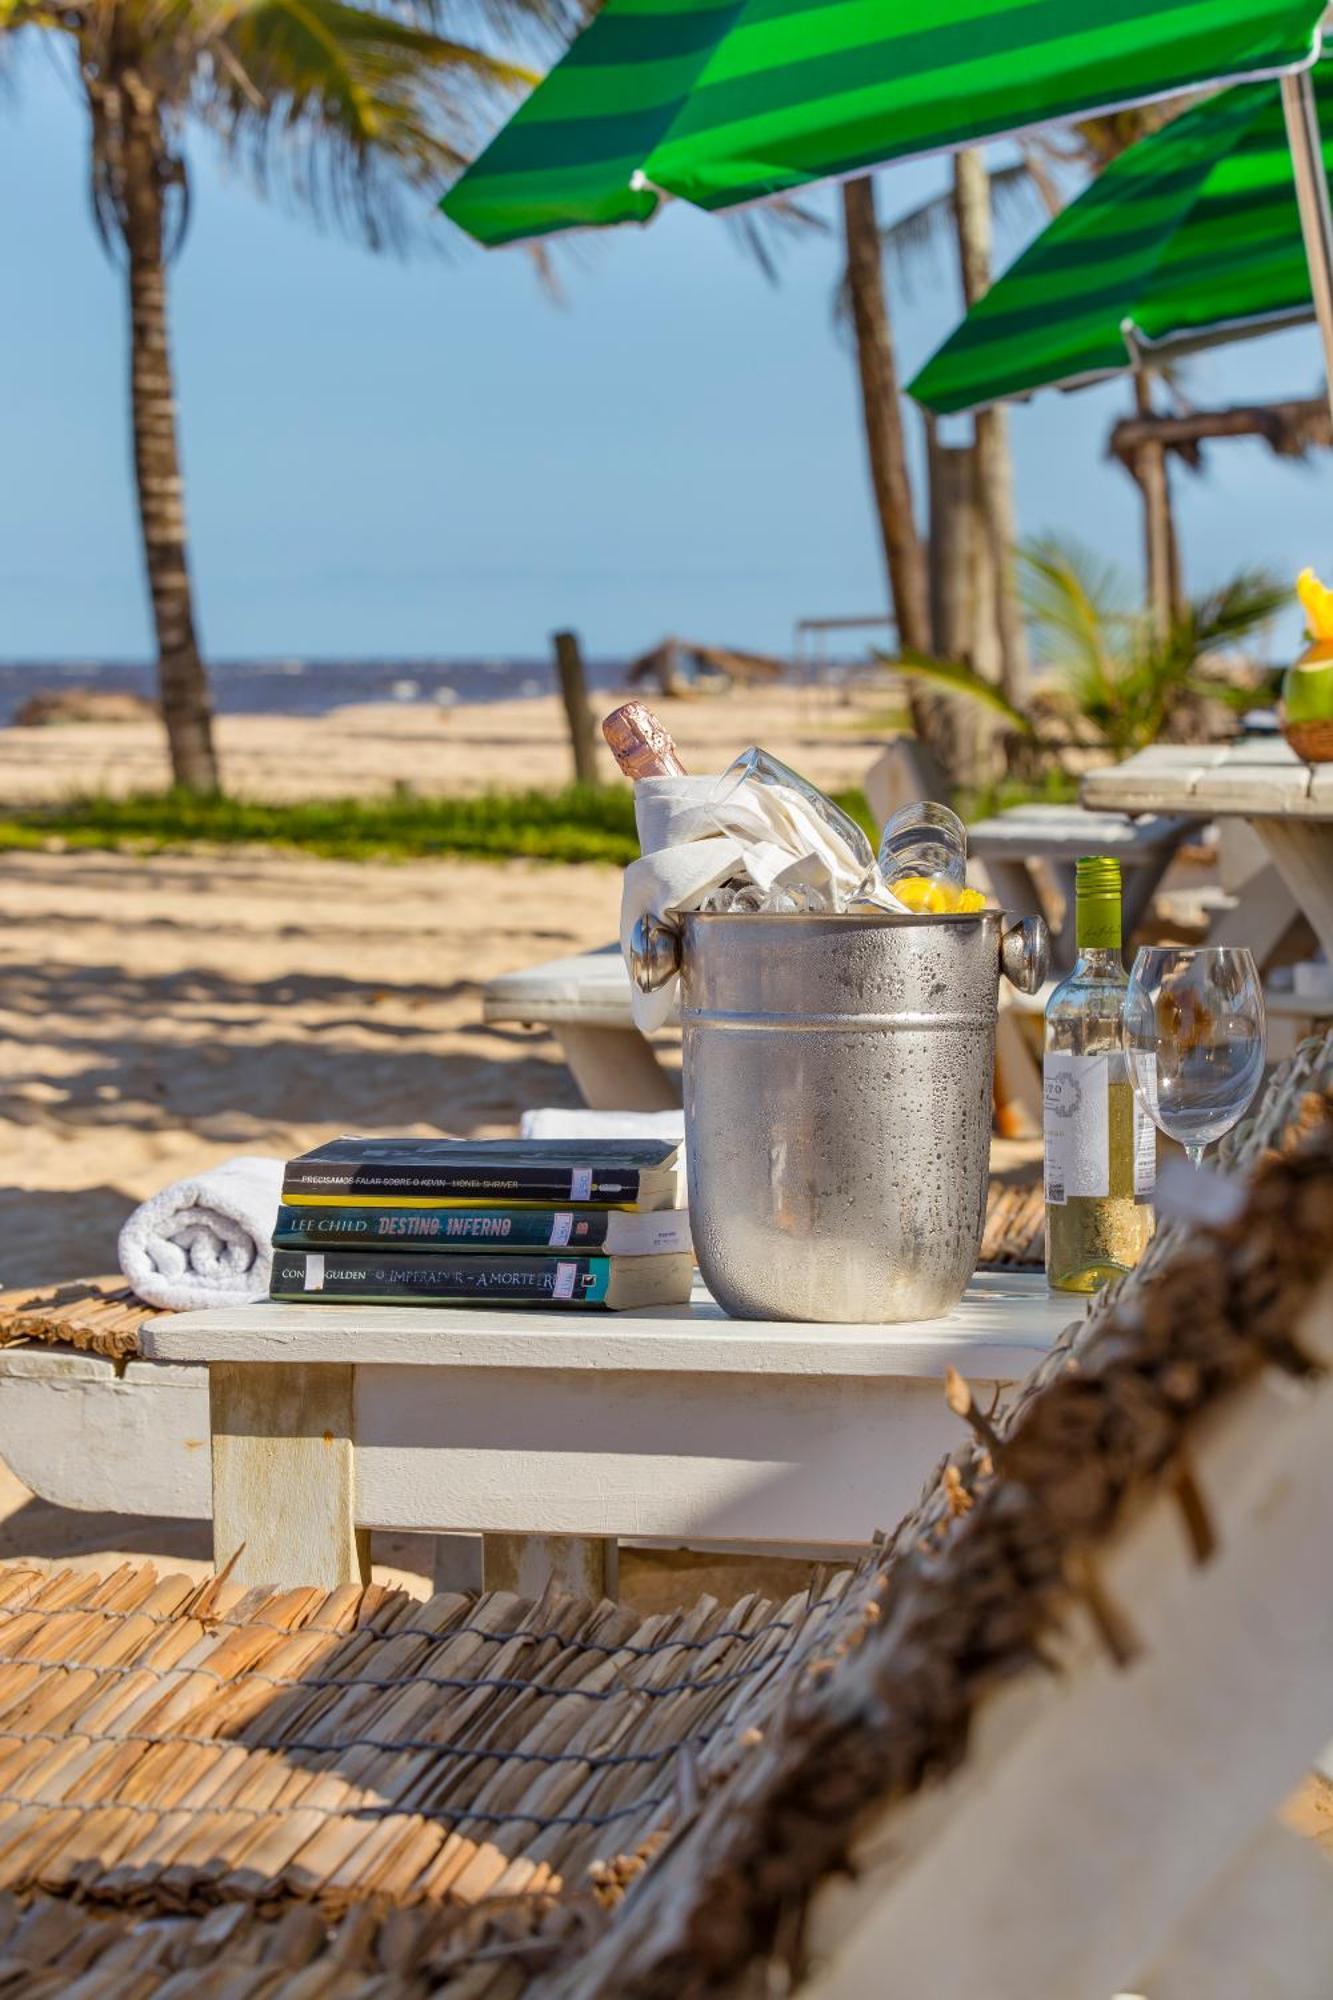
(1053,837)
(585,1002)
(552,1434)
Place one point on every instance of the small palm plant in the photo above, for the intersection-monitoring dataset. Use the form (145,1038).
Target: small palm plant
(1101,653)
(354,111)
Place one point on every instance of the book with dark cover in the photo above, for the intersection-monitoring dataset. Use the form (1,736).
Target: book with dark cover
(613,1173)
(439,1277)
(617,1231)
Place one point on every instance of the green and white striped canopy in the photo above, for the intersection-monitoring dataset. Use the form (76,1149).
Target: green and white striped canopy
(728,101)
(1191,237)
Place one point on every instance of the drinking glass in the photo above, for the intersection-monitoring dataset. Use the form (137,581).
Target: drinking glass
(1194,1039)
(925,840)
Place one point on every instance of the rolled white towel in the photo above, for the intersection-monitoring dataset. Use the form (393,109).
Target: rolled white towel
(208,1240)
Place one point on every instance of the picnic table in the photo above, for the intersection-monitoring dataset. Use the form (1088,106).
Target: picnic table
(1015,843)
(554,1434)
(1288,803)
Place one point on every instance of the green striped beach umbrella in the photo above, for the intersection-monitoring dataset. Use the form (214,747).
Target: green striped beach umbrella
(726,101)
(723,102)
(1192,236)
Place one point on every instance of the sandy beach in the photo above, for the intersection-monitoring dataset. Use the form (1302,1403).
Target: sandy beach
(831,735)
(159,1013)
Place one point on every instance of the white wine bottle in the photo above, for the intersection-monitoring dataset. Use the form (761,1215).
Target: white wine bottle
(1101,1149)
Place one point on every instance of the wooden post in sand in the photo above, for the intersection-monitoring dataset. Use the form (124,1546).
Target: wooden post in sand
(574,694)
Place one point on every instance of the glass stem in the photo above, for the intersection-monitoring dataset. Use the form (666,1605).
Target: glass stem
(1195,1155)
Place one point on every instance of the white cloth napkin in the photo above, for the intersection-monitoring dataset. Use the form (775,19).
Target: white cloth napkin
(206,1241)
(554,1122)
(691,844)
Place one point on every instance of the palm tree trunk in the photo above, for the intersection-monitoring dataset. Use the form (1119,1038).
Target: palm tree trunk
(886,444)
(186,706)
(995,473)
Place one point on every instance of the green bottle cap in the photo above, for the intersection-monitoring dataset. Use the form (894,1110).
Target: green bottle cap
(1097,903)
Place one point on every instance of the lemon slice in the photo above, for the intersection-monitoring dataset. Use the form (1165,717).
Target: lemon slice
(925,896)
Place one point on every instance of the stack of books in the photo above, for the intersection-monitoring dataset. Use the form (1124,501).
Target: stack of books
(517,1222)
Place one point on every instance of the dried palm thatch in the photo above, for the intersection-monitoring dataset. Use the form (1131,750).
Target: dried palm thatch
(357,1794)
(661,665)
(1015,1227)
(169,1744)
(96,1315)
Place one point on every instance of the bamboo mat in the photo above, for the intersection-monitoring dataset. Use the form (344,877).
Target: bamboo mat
(176,1746)
(102,1316)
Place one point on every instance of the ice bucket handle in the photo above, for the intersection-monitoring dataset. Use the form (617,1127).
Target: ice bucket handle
(1025,953)
(654,954)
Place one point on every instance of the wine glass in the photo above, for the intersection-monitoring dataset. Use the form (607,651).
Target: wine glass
(1193,1035)
(760,798)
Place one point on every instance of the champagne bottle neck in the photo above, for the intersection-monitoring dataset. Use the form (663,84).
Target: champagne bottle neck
(641,744)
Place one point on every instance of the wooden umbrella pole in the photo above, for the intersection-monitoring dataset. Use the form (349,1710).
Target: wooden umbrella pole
(1307,155)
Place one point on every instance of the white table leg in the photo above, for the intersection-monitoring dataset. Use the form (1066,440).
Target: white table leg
(578,1565)
(1140,883)
(616,1069)
(1302,851)
(1264,912)
(1014,886)
(457,1564)
(283,1476)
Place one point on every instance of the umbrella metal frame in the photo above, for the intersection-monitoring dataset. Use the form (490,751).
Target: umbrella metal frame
(1302,116)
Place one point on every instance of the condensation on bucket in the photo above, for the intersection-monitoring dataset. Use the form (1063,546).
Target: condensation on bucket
(838,1108)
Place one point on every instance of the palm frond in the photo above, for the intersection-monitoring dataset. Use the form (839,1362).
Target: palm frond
(956,677)
(765,232)
(914,242)
(351,112)
(1238,608)
(1078,605)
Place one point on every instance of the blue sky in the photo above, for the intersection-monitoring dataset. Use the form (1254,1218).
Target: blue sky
(431,459)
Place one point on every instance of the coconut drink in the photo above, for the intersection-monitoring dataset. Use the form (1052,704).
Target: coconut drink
(1307,687)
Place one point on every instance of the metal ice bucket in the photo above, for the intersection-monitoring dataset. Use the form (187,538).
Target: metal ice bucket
(838,1074)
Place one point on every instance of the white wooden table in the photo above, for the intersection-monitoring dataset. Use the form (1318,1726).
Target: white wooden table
(554,1434)
(1259,779)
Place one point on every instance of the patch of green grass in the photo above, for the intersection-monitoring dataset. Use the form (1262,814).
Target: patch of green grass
(581,823)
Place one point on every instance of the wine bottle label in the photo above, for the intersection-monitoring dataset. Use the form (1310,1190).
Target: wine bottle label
(1076,1126)
(1145,1143)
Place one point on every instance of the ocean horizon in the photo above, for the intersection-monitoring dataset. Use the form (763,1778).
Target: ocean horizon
(306,686)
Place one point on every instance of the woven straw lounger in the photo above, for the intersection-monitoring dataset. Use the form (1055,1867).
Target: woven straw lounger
(1030,1750)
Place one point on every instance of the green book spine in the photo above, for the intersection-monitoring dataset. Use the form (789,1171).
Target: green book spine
(468,1229)
(439,1277)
